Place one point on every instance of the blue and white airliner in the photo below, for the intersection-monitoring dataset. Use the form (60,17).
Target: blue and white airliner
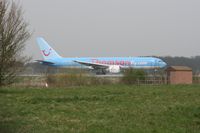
(103,64)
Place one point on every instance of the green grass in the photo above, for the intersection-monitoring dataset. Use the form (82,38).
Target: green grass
(101,109)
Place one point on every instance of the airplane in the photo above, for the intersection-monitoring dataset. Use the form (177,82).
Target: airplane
(100,64)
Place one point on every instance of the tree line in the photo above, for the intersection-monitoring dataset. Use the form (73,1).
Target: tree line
(192,62)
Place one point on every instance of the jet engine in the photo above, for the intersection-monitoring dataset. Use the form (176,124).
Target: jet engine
(113,69)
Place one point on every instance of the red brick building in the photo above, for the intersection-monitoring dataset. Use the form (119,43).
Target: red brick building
(179,75)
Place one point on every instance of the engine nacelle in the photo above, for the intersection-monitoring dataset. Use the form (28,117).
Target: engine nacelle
(113,69)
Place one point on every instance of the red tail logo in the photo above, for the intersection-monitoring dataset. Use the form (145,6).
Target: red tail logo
(46,53)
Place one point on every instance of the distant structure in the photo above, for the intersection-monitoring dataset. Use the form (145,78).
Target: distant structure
(179,75)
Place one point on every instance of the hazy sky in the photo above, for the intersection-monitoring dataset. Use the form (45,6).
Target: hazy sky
(115,27)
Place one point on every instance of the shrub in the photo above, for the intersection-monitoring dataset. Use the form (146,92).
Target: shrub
(132,76)
(61,80)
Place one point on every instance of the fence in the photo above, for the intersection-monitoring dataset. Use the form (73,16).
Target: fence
(196,79)
(152,80)
(40,80)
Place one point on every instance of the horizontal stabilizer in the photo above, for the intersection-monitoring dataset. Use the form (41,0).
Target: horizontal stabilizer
(45,62)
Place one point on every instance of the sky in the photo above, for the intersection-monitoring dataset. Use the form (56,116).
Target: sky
(100,28)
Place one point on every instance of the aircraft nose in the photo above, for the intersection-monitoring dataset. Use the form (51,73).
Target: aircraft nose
(163,64)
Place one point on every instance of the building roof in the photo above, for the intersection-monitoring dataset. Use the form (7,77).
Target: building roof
(179,68)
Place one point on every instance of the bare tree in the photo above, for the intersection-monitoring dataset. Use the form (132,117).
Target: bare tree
(13,34)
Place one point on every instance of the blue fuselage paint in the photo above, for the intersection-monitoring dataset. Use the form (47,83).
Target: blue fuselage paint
(123,62)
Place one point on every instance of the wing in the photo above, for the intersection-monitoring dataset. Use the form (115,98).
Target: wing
(45,62)
(94,65)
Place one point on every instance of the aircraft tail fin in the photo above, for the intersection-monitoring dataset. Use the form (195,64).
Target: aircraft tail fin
(47,51)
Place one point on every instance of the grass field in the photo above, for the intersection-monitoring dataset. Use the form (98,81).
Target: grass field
(101,109)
